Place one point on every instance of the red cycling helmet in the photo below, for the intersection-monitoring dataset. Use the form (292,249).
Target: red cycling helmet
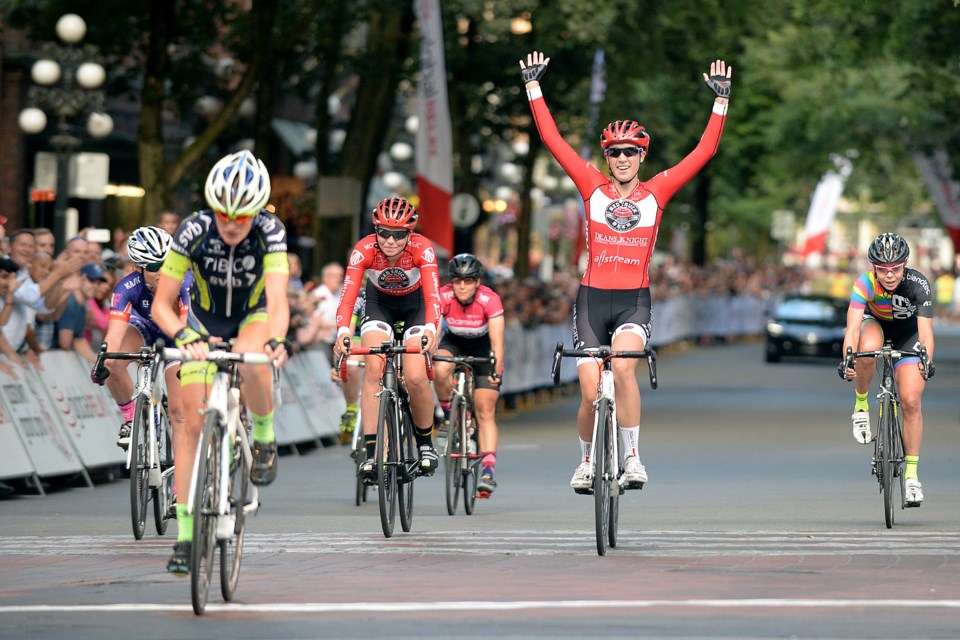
(395,213)
(625,132)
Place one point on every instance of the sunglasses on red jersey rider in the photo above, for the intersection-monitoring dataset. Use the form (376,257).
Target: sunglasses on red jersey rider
(396,234)
(614,152)
(894,268)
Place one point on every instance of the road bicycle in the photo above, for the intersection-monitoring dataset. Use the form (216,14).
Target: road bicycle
(222,494)
(150,453)
(888,460)
(605,458)
(396,449)
(461,461)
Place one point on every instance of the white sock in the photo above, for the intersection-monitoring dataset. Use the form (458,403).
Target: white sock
(629,437)
(585,450)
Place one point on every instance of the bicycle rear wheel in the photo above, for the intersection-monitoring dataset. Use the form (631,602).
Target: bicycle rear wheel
(408,465)
(470,486)
(388,455)
(231,549)
(453,453)
(205,512)
(887,461)
(139,466)
(161,497)
(601,482)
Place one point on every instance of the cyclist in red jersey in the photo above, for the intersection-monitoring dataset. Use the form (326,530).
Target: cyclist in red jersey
(475,327)
(623,216)
(402,287)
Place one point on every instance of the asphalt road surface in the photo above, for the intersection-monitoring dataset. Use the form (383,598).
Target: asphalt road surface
(760,519)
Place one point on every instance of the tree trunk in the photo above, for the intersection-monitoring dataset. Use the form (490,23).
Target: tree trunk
(701,208)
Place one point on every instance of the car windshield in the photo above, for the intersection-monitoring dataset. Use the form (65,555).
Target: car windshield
(807,310)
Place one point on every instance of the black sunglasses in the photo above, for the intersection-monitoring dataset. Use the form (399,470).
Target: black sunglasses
(614,152)
(153,268)
(399,234)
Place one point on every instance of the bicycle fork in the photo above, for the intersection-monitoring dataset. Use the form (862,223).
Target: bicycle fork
(606,391)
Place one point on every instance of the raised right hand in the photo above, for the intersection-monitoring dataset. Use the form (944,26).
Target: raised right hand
(535,67)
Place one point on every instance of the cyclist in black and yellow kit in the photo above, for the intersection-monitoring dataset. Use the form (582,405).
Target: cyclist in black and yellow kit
(238,254)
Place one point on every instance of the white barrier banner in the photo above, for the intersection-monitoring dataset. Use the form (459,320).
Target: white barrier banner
(40,429)
(91,423)
(14,459)
(308,391)
(291,422)
(327,393)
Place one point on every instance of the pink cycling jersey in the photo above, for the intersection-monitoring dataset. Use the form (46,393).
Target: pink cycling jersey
(621,232)
(413,269)
(473,320)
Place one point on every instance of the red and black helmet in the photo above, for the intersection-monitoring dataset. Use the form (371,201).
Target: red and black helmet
(625,132)
(395,213)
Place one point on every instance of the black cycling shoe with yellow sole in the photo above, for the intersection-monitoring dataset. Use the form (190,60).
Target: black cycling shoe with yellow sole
(264,469)
(179,562)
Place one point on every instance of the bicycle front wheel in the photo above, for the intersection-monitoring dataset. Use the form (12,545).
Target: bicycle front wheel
(205,512)
(388,456)
(602,449)
(452,456)
(231,549)
(139,466)
(409,465)
(887,460)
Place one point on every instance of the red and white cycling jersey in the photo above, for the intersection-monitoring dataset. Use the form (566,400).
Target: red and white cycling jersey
(473,320)
(415,267)
(621,232)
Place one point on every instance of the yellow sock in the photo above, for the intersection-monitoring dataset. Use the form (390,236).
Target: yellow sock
(911,470)
(861,404)
(184,524)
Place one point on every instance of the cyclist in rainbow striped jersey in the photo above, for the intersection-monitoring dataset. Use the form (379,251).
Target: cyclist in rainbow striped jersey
(891,302)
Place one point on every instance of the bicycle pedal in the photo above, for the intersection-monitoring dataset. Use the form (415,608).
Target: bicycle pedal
(584,492)
(912,505)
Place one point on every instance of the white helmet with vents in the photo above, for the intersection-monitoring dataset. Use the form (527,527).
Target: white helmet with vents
(148,245)
(238,185)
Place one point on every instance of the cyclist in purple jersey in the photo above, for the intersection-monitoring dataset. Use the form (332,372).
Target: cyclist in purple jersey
(130,326)
(891,302)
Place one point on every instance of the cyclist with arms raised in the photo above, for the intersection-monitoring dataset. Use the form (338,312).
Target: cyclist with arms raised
(238,253)
(891,302)
(402,285)
(623,215)
(474,318)
(131,326)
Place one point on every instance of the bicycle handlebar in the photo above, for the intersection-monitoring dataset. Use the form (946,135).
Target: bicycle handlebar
(386,349)
(218,356)
(895,354)
(605,353)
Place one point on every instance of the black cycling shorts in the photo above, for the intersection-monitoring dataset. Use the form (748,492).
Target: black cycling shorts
(599,313)
(383,311)
(472,347)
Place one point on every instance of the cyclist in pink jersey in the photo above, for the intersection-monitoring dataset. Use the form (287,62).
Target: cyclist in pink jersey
(623,216)
(401,288)
(473,314)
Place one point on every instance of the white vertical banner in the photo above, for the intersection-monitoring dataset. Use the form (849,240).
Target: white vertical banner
(937,173)
(823,206)
(434,138)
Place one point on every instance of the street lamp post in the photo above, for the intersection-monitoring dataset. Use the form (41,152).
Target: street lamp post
(67,84)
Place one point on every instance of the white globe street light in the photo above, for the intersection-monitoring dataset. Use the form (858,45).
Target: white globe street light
(401,151)
(45,72)
(99,125)
(90,75)
(32,120)
(71,28)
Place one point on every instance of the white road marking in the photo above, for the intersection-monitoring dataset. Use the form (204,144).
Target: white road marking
(472,606)
(528,543)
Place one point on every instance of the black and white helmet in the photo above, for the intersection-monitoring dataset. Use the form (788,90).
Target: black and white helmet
(888,248)
(148,245)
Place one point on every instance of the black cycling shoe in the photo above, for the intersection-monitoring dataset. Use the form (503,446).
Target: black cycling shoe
(123,436)
(264,463)
(428,460)
(486,486)
(367,471)
(179,562)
